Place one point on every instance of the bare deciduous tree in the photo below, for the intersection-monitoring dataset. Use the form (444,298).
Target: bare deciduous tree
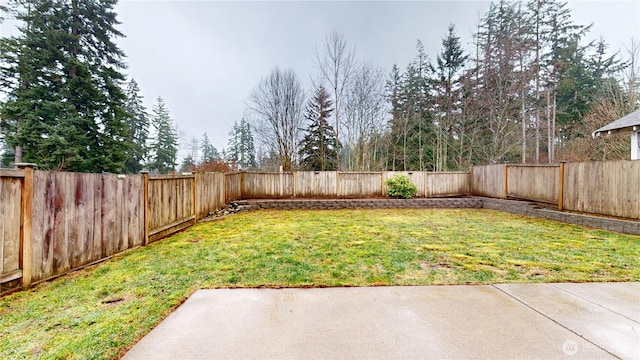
(277,105)
(365,111)
(336,64)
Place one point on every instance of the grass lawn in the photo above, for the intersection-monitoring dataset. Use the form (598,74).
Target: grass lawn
(100,311)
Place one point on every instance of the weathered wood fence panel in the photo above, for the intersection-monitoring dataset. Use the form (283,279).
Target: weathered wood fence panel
(232,186)
(533,182)
(315,184)
(608,188)
(10,220)
(447,184)
(488,180)
(171,204)
(210,193)
(363,184)
(267,185)
(82,218)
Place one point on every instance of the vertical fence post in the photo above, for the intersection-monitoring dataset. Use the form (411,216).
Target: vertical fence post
(26,215)
(381,183)
(561,186)
(145,205)
(337,184)
(506,181)
(195,197)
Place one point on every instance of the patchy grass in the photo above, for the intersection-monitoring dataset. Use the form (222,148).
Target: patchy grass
(102,310)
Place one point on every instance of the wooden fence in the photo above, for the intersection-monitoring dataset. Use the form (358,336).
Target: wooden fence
(54,222)
(489,181)
(333,184)
(609,188)
(534,182)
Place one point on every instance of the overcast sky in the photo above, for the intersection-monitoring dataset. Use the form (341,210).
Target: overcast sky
(204,57)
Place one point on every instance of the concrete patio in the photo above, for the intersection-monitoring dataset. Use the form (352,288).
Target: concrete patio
(524,321)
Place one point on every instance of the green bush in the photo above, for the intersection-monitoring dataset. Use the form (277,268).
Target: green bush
(400,187)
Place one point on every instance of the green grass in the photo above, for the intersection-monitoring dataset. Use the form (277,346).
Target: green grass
(101,311)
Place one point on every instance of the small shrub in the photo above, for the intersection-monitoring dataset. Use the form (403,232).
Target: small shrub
(400,187)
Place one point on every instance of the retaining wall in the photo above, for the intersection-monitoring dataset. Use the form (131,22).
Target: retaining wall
(531,209)
(510,206)
(327,204)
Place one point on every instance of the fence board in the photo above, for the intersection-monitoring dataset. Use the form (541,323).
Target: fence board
(539,182)
(95,190)
(60,251)
(10,197)
(109,215)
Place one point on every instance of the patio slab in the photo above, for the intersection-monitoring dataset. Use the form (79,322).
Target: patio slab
(429,322)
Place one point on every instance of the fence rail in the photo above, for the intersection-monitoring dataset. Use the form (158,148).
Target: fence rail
(55,222)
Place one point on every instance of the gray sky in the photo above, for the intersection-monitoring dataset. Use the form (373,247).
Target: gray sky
(205,57)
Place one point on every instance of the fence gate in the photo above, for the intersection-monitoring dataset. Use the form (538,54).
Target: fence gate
(10,223)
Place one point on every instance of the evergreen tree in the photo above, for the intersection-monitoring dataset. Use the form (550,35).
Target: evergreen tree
(241,150)
(137,125)
(418,126)
(188,164)
(164,147)
(398,123)
(450,61)
(318,146)
(209,152)
(232,151)
(558,44)
(65,107)
(247,153)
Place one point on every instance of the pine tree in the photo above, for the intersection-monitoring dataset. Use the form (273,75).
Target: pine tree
(398,123)
(164,146)
(65,106)
(450,61)
(241,150)
(419,129)
(188,164)
(209,152)
(247,152)
(318,146)
(232,152)
(137,125)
